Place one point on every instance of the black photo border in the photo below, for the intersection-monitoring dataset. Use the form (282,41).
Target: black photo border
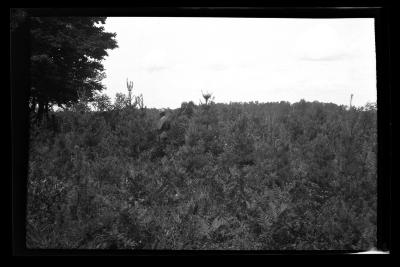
(19,89)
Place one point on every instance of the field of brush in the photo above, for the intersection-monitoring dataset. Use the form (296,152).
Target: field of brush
(224,176)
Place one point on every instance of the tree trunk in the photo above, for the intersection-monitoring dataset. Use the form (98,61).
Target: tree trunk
(43,110)
(46,111)
(32,107)
(40,112)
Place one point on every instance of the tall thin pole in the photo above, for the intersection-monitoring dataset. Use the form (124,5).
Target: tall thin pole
(351,99)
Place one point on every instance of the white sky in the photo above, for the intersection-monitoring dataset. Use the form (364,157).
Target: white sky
(170,60)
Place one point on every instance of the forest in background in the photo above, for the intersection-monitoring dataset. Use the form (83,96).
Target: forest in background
(270,176)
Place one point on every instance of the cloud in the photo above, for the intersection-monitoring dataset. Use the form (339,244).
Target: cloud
(322,42)
(240,60)
(326,57)
(156,68)
(217,67)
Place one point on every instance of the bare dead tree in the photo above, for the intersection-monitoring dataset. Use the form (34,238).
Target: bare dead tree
(129,85)
(139,101)
(206,96)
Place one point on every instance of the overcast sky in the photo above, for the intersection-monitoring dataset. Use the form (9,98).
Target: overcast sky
(170,60)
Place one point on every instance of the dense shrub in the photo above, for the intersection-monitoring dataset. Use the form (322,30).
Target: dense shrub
(227,176)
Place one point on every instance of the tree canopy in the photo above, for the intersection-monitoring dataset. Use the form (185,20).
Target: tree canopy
(66,55)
